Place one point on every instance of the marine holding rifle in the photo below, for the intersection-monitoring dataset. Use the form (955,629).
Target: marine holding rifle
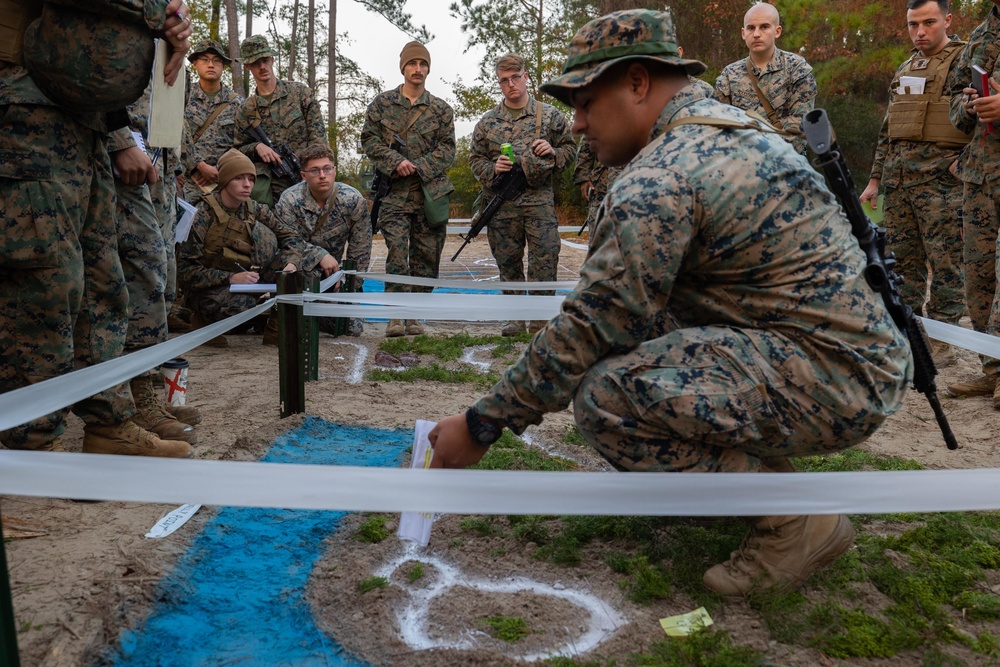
(542,145)
(722,322)
(413,215)
(283,112)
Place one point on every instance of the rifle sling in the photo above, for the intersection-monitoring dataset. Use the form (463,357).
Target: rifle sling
(326,213)
(760,126)
(204,126)
(772,115)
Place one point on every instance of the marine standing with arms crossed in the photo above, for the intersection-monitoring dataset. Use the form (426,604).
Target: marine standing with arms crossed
(721,323)
(426,125)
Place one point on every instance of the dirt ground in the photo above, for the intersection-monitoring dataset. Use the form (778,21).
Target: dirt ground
(89,573)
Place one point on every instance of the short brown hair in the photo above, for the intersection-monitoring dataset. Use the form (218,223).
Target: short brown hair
(314,152)
(510,63)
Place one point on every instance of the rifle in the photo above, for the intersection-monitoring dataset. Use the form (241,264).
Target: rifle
(879,269)
(381,184)
(289,166)
(508,186)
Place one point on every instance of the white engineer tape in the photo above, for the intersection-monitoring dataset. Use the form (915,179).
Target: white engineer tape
(37,400)
(463,229)
(961,337)
(488,283)
(451,307)
(246,484)
(575,246)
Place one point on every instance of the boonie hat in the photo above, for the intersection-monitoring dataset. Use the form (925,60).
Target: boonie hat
(633,34)
(254,48)
(209,46)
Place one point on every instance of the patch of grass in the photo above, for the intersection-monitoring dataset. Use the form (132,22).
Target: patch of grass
(978,606)
(510,453)
(373,530)
(482,525)
(704,648)
(574,437)
(529,528)
(852,633)
(987,644)
(509,629)
(646,582)
(449,348)
(415,572)
(434,373)
(371,583)
(853,460)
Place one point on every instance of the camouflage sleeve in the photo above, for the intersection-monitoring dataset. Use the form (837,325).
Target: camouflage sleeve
(293,249)
(882,148)
(723,91)
(316,126)
(584,171)
(623,290)
(359,239)
(959,78)
(480,161)
(120,139)
(376,146)
(241,139)
(151,12)
(564,145)
(192,274)
(439,160)
(801,100)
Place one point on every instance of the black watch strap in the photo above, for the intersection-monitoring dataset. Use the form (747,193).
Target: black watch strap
(482,432)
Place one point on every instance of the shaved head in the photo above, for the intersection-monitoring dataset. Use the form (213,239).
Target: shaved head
(762,11)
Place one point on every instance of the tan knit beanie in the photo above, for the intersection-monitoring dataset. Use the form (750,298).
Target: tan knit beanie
(232,164)
(412,51)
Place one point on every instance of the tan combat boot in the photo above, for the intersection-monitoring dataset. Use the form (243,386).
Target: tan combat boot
(512,328)
(129,439)
(780,552)
(271,335)
(151,416)
(395,329)
(942,353)
(185,413)
(984,385)
(534,326)
(414,328)
(197,322)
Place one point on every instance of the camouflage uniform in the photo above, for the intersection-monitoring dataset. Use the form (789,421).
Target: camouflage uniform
(600,177)
(923,205)
(531,218)
(290,116)
(206,285)
(787,82)
(348,225)
(981,197)
(215,140)
(414,246)
(710,330)
(63,298)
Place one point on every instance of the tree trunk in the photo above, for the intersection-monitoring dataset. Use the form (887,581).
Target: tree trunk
(331,83)
(249,32)
(310,44)
(233,25)
(213,24)
(293,42)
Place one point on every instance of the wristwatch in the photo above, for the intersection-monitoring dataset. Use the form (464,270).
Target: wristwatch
(483,432)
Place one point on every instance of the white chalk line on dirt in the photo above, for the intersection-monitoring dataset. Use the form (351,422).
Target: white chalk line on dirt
(357,370)
(414,617)
(349,488)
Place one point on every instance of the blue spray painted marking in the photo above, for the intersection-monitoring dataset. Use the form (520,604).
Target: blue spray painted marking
(237,597)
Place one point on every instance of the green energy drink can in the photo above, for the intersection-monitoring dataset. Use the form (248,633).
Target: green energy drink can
(508,150)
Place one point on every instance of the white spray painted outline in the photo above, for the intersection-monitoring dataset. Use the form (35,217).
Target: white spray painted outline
(357,372)
(413,618)
(469,353)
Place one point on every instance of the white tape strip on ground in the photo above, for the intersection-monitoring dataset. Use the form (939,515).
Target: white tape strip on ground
(451,307)
(37,400)
(232,483)
(961,337)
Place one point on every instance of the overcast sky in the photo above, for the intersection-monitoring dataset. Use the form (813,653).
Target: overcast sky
(375,44)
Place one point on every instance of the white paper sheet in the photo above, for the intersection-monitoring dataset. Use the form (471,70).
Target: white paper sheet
(416,526)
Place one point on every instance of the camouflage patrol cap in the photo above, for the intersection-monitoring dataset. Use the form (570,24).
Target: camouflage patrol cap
(209,46)
(632,34)
(254,48)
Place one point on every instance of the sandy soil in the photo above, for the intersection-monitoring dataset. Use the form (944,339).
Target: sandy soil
(92,573)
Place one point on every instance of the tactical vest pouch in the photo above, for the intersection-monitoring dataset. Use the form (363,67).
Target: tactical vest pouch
(114,72)
(919,118)
(15,16)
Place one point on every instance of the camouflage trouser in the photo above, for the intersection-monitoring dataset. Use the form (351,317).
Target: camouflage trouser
(218,303)
(981,213)
(413,246)
(63,300)
(535,226)
(924,227)
(144,261)
(164,196)
(715,399)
